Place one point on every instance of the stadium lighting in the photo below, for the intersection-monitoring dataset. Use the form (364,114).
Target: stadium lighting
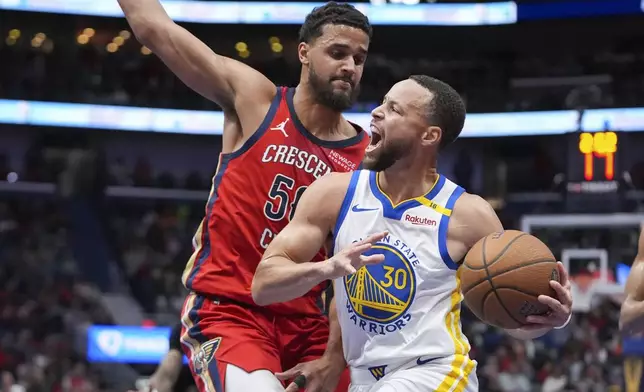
(82,39)
(241,46)
(119,40)
(112,47)
(277,47)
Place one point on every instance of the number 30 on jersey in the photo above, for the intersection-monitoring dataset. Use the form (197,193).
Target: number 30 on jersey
(279,204)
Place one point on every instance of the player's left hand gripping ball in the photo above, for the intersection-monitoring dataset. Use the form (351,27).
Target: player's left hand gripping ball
(560,307)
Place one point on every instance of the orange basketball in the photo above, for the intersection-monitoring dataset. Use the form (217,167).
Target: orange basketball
(503,275)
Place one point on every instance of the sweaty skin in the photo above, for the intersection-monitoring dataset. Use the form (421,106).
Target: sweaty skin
(285,272)
(631,318)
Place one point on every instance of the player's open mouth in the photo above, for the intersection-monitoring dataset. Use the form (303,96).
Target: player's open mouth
(376,139)
(343,83)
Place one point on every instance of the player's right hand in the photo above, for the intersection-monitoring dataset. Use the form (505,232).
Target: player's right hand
(351,259)
(321,375)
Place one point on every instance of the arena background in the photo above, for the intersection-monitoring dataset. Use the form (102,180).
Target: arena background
(106,159)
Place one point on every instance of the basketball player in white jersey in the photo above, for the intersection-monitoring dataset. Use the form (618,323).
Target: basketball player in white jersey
(631,318)
(408,226)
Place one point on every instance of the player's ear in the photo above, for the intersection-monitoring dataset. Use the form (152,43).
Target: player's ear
(431,136)
(303,53)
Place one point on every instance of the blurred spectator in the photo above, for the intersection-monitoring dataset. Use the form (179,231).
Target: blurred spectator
(42,302)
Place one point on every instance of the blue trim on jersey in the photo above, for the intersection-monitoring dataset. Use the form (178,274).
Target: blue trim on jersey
(316,140)
(205,245)
(344,208)
(391,212)
(442,229)
(261,130)
(436,189)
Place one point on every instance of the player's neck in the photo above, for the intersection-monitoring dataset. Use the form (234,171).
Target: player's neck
(404,183)
(321,121)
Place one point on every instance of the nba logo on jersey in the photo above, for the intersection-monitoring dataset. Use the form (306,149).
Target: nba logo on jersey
(380,295)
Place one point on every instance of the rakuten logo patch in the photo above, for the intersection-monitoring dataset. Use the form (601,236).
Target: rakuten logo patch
(416,220)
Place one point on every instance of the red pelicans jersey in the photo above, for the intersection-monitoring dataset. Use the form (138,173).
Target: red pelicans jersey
(253,197)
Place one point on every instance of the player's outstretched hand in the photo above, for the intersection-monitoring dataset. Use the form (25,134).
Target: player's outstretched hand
(560,307)
(351,259)
(319,375)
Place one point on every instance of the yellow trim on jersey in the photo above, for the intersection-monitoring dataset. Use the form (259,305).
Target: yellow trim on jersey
(406,200)
(421,199)
(458,377)
(194,345)
(193,256)
(199,234)
(436,207)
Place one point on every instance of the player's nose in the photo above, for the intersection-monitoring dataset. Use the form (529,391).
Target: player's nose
(377,113)
(348,68)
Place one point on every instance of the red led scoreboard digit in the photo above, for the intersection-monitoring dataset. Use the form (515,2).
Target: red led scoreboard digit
(598,145)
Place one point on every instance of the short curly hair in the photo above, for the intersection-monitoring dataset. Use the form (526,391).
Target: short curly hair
(446,110)
(336,14)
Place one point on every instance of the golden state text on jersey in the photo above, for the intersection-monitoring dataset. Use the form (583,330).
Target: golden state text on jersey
(380,295)
(406,308)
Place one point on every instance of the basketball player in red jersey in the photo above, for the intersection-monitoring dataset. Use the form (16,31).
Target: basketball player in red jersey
(631,318)
(276,142)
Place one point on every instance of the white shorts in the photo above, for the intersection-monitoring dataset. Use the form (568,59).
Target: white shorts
(431,377)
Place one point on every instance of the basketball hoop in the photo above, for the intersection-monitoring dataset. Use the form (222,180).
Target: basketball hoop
(581,291)
(585,287)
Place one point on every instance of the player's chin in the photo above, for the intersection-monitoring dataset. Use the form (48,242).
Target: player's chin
(370,161)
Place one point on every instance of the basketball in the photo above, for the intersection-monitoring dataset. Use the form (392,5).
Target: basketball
(503,275)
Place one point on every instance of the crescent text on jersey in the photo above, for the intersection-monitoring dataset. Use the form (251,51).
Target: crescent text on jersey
(293,156)
(380,295)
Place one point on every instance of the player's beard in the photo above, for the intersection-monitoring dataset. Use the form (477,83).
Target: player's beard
(326,95)
(386,155)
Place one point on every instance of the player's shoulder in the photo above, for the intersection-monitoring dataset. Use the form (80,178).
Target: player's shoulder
(323,199)
(473,217)
(471,206)
(332,183)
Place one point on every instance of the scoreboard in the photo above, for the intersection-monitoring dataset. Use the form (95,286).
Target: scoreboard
(594,170)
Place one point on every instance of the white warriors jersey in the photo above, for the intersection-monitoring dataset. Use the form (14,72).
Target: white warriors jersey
(408,307)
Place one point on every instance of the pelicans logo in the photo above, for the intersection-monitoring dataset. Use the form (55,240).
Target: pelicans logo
(202,358)
(380,294)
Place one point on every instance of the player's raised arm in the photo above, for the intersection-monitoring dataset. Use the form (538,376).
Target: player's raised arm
(631,318)
(285,271)
(229,83)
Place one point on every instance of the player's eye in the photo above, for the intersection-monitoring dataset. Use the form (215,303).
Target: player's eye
(337,54)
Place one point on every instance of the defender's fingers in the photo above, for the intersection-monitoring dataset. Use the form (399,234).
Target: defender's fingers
(290,373)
